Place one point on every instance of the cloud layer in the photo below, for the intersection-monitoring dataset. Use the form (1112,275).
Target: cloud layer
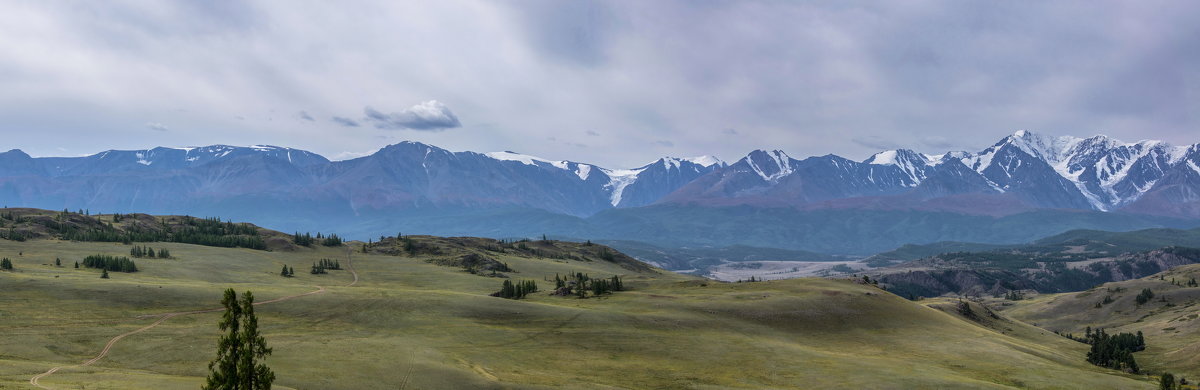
(621,77)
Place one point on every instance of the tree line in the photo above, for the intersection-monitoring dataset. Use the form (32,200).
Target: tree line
(189,230)
(307,239)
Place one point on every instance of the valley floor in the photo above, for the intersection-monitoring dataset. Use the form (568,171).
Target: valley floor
(411,324)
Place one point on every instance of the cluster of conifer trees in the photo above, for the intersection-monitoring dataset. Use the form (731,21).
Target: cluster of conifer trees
(517,290)
(330,264)
(307,239)
(580,284)
(1114,351)
(287,271)
(6,264)
(1145,296)
(110,263)
(145,251)
(319,268)
(1014,295)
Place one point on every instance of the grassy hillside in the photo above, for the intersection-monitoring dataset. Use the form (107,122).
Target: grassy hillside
(1169,320)
(417,319)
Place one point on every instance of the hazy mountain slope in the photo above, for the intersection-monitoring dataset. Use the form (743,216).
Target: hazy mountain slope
(832,204)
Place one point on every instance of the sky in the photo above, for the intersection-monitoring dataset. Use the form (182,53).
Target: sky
(617,83)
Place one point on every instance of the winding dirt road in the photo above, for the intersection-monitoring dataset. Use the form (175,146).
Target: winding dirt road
(166,316)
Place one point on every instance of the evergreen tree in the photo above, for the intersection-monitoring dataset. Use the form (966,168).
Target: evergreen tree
(254,374)
(223,371)
(6,264)
(1167,382)
(103,274)
(238,365)
(291,271)
(76,265)
(57,262)
(284,272)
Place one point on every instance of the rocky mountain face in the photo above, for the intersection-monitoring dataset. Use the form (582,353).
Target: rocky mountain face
(1021,172)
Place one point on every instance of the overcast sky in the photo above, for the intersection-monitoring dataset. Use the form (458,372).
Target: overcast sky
(614,83)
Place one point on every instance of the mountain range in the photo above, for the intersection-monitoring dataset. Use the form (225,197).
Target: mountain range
(827,204)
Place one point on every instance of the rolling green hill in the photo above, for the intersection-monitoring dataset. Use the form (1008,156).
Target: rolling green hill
(414,312)
(1169,320)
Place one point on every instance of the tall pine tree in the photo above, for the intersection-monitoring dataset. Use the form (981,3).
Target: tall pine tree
(238,365)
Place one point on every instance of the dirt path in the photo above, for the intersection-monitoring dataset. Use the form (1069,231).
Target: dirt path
(166,316)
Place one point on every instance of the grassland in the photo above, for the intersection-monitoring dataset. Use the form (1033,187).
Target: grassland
(411,324)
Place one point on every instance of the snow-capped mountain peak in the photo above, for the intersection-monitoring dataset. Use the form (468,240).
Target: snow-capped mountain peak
(771,166)
(913,164)
(704,161)
(583,171)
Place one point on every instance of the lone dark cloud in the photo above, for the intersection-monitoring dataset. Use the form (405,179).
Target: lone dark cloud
(730,131)
(304,115)
(664,142)
(157,126)
(344,121)
(593,133)
(428,116)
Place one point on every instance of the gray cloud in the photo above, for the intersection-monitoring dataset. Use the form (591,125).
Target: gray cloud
(304,115)
(663,142)
(592,133)
(157,126)
(347,122)
(428,116)
(810,78)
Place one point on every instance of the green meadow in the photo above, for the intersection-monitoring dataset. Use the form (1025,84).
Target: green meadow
(409,323)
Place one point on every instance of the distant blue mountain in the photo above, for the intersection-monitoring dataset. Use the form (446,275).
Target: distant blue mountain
(894,197)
